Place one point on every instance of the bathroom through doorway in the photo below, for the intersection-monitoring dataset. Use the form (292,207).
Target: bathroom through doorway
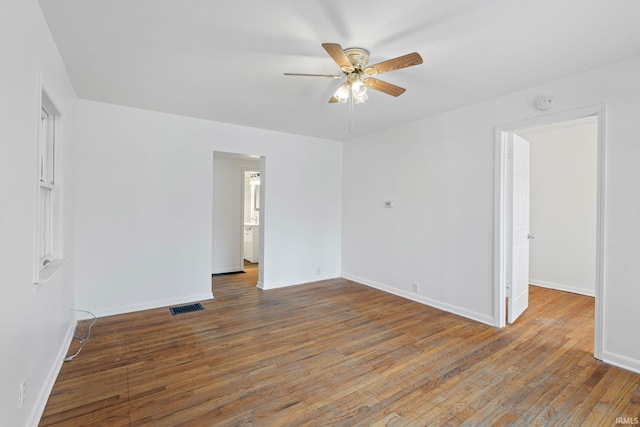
(251,218)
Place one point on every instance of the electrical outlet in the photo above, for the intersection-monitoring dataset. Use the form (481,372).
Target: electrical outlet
(416,287)
(22,392)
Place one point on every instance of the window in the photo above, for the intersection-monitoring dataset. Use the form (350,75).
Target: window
(48,192)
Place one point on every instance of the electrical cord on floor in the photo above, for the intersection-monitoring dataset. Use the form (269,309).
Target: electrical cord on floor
(82,340)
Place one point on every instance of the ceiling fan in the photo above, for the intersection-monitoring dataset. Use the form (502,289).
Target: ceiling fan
(354,64)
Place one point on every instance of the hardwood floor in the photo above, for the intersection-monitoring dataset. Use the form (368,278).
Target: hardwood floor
(339,353)
(248,265)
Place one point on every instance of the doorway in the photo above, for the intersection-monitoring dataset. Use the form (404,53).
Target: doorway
(505,232)
(228,218)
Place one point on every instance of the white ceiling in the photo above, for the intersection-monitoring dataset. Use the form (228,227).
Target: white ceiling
(224,60)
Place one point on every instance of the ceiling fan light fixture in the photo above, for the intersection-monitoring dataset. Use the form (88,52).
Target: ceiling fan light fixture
(358,88)
(342,94)
(360,99)
(358,91)
(354,88)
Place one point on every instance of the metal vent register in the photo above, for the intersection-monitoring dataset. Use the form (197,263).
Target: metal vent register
(185,308)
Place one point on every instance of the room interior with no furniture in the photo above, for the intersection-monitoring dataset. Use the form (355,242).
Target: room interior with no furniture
(319,213)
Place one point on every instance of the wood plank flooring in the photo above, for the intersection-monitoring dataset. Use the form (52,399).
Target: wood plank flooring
(250,265)
(341,354)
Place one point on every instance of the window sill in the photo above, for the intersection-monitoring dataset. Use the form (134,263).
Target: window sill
(49,271)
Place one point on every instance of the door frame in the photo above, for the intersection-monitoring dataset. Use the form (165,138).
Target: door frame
(263,204)
(500,233)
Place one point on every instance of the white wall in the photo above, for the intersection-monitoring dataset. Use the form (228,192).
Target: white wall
(440,173)
(228,212)
(35,321)
(144,210)
(563,205)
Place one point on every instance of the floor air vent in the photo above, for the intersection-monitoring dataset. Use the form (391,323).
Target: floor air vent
(185,308)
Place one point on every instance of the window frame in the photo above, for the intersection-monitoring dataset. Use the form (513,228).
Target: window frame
(48,233)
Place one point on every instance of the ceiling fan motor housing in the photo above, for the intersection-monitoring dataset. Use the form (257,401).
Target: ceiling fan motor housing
(358,57)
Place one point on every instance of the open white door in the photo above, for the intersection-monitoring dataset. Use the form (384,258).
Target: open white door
(519,290)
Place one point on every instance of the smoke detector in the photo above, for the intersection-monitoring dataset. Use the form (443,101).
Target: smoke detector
(544,103)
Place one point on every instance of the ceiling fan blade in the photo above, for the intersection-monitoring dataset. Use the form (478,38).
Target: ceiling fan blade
(404,61)
(337,53)
(331,76)
(333,99)
(388,88)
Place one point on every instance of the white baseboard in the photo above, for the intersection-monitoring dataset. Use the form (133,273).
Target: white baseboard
(478,317)
(54,370)
(561,287)
(148,305)
(620,361)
